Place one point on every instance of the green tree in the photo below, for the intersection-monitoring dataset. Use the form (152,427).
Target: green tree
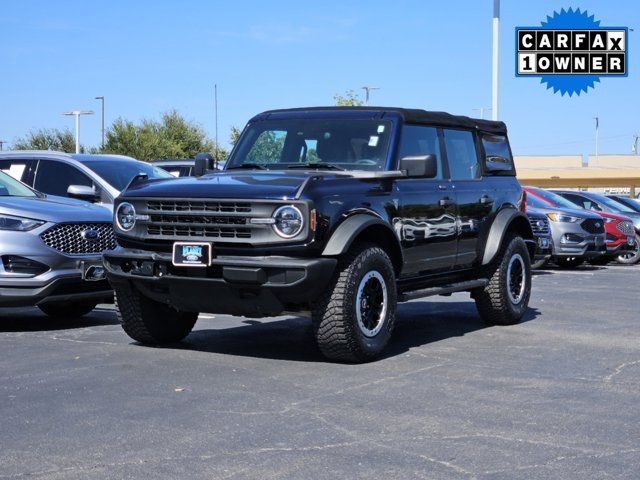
(48,139)
(235,135)
(349,99)
(171,137)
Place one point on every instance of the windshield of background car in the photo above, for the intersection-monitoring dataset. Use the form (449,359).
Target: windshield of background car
(535,202)
(10,187)
(555,199)
(351,144)
(612,204)
(118,173)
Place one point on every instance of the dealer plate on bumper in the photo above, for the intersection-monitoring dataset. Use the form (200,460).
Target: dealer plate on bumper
(192,254)
(631,241)
(543,242)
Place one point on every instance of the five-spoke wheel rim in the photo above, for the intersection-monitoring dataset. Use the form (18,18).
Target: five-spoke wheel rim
(516,280)
(371,303)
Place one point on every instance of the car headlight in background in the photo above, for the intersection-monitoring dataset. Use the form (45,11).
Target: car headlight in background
(125,216)
(20,224)
(560,217)
(288,221)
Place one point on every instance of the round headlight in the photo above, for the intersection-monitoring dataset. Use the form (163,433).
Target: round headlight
(288,221)
(125,216)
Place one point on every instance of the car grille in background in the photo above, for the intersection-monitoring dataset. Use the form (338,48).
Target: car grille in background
(626,227)
(593,225)
(78,239)
(540,226)
(192,218)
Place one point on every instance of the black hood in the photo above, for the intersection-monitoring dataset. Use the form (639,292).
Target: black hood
(270,185)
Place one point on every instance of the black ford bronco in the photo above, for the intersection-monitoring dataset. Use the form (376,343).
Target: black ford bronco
(339,212)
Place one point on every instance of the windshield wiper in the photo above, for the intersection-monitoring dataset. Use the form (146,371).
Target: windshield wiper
(316,165)
(247,166)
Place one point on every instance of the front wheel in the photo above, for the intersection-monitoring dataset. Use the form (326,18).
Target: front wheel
(150,322)
(632,256)
(354,319)
(67,310)
(505,299)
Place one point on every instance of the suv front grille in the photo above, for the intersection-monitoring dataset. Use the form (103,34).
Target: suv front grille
(197,206)
(197,231)
(593,225)
(540,226)
(79,238)
(626,227)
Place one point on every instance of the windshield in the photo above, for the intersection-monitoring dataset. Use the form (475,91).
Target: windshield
(118,173)
(10,187)
(554,199)
(318,143)
(612,204)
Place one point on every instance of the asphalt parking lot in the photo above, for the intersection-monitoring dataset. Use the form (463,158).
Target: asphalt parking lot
(557,396)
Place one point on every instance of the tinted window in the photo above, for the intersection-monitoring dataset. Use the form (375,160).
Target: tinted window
(54,178)
(582,202)
(118,173)
(553,198)
(496,150)
(19,169)
(461,154)
(417,140)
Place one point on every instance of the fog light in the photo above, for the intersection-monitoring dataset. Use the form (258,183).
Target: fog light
(17,264)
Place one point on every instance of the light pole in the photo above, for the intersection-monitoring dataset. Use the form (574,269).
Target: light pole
(495,60)
(481,110)
(597,119)
(77,114)
(102,108)
(367,91)
(2,142)
(634,148)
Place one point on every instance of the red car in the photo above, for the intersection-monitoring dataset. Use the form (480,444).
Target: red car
(618,228)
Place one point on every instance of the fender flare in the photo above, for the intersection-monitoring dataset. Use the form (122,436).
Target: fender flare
(499,227)
(348,230)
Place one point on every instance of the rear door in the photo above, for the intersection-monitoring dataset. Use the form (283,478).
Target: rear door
(427,221)
(474,197)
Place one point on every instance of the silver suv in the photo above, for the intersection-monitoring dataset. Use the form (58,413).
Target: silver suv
(95,178)
(50,254)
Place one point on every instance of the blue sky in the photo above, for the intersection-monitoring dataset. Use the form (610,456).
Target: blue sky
(147,57)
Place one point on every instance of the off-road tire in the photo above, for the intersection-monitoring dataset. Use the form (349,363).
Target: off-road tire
(336,327)
(67,310)
(631,259)
(493,301)
(568,262)
(150,322)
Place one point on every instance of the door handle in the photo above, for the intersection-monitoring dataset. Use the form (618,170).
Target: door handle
(442,187)
(445,202)
(484,199)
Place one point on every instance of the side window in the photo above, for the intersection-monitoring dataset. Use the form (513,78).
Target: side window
(268,147)
(461,154)
(583,202)
(497,153)
(19,169)
(54,178)
(418,140)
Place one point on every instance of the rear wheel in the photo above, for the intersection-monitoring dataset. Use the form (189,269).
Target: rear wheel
(506,297)
(632,256)
(569,262)
(354,319)
(150,322)
(67,310)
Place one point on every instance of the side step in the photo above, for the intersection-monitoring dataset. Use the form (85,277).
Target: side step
(443,290)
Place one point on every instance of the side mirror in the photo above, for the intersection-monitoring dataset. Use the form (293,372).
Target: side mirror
(497,163)
(204,162)
(420,166)
(82,192)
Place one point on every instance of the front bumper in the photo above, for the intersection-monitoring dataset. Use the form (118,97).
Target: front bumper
(249,286)
(570,240)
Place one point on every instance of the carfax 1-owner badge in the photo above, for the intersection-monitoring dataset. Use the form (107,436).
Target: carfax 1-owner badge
(571,51)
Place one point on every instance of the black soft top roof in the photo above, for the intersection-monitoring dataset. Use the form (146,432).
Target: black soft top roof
(409,115)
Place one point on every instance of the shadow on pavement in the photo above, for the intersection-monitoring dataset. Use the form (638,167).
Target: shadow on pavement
(417,324)
(33,320)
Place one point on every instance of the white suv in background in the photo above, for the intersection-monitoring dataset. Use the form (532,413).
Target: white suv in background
(95,178)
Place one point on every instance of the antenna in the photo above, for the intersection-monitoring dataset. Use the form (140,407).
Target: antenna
(215,101)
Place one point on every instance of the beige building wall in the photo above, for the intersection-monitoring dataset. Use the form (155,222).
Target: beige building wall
(615,161)
(547,161)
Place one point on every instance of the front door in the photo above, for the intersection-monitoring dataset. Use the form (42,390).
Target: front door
(427,215)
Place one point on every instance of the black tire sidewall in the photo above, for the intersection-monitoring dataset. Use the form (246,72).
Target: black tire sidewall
(372,260)
(633,260)
(516,246)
